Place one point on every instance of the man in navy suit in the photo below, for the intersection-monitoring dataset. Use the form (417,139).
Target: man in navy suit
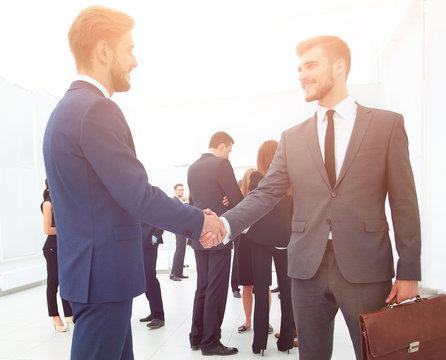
(100,190)
(210,179)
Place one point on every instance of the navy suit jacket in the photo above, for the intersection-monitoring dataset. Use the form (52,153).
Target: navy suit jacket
(101,195)
(209,179)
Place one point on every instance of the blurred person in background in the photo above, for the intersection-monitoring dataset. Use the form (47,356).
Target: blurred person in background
(50,254)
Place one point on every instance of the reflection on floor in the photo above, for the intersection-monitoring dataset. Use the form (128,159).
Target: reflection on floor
(26,333)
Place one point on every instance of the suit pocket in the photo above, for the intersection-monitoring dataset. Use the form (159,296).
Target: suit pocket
(376,225)
(298,226)
(132,232)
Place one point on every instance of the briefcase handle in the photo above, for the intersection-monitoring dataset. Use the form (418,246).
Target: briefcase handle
(416,299)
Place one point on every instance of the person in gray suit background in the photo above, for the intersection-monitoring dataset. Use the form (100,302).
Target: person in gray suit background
(341,163)
(180,249)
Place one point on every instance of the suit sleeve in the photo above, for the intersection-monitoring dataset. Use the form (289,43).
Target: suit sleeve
(105,140)
(403,204)
(259,202)
(228,183)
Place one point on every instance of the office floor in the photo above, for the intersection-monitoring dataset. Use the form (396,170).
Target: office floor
(26,332)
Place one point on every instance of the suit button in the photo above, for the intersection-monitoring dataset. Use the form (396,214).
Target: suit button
(333,195)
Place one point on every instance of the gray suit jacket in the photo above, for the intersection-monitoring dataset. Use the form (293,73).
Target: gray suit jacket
(376,165)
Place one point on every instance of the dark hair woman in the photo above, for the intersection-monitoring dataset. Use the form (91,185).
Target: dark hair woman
(50,253)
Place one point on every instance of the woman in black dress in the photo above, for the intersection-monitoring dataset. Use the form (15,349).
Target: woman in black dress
(50,253)
(269,238)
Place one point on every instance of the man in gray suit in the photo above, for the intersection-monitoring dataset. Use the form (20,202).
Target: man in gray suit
(180,250)
(341,164)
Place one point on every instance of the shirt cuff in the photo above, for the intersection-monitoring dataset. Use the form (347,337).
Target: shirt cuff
(154,239)
(228,230)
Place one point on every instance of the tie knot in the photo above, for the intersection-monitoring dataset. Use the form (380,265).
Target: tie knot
(330,114)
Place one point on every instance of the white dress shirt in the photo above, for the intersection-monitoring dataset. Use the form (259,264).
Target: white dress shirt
(180,199)
(343,120)
(95,83)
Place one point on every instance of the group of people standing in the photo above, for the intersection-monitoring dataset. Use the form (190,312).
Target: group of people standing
(212,185)
(337,169)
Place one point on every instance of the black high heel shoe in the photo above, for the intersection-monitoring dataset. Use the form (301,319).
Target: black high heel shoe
(257,350)
(283,348)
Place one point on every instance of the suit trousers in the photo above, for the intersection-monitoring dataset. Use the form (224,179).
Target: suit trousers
(52,283)
(102,331)
(178,257)
(153,293)
(235,266)
(210,297)
(286,339)
(317,300)
(261,268)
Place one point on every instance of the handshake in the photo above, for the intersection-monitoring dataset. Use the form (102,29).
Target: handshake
(213,231)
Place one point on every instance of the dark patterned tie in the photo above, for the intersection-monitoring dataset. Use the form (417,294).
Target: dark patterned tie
(329,149)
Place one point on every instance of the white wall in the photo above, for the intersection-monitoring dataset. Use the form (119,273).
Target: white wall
(434,145)
(23,114)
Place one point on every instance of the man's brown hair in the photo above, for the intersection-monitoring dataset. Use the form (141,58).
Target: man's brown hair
(93,24)
(333,46)
(220,138)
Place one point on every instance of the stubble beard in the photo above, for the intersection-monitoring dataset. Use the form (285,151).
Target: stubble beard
(321,89)
(119,78)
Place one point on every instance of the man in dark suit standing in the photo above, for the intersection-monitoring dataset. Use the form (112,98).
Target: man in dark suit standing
(151,239)
(100,191)
(180,249)
(210,179)
(341,164)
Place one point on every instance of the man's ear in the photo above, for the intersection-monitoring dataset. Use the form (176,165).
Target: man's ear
(102,51)
(339,67)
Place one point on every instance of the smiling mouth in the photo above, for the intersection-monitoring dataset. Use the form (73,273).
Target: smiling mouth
(307,85)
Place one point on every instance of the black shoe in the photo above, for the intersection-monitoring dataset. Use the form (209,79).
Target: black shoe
(257,350)
(276,289)
(183,277)
(147,318)
(284,348)
(155,324)
(174,277)
(243,328)
(236,294)
(220,349)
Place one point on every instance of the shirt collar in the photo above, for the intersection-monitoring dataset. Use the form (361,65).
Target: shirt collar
(95,83)
(342,108)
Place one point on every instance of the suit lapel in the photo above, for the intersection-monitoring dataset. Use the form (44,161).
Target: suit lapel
(363,117)
(315,149)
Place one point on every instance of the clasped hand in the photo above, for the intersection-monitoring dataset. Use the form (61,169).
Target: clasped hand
(402,290)
(213,231)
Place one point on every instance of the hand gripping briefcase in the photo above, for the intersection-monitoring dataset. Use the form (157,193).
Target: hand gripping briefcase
(414,331)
